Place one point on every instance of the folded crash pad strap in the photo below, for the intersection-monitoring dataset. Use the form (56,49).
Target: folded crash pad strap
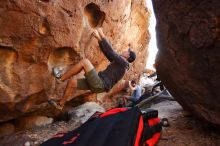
(151,132)
(149,114)
(113,111)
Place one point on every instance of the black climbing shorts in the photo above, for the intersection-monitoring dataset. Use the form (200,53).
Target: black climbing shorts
(92,82)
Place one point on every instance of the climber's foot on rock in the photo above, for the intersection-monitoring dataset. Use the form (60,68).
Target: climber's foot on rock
(57,74)
(53,103)
(62,102)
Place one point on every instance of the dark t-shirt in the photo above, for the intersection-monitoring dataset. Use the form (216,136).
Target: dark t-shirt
(116,69)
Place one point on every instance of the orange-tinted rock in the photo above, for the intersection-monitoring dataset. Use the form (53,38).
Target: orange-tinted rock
(37,35)
(189,55)
(32,122)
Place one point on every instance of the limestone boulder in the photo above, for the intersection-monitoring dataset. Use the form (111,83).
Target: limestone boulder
(37,35)
(189,55)
(85,111)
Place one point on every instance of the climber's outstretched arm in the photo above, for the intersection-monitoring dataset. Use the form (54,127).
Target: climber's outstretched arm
(107,48)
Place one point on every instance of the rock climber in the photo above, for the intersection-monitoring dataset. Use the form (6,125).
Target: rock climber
(95,81)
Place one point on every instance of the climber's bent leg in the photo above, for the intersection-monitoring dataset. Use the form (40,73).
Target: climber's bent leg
(70,89)
(84,64)
(91,82)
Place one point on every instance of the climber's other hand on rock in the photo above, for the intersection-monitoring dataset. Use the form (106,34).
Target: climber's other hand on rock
(96,35)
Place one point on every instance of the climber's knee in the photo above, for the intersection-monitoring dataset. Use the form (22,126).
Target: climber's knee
(72,83)
(87,65)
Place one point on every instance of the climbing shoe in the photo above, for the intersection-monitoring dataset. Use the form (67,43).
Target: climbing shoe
(57,74)
(53,103)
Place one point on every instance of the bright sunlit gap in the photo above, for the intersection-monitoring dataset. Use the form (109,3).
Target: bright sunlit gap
(152,48)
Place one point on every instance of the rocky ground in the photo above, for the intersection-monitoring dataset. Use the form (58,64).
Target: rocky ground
(183,130)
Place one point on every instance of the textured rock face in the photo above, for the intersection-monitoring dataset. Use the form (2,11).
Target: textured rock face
(32,122)
(189,55)
(37,35)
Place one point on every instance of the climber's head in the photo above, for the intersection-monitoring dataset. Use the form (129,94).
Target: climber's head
(133,83)
(129,55)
